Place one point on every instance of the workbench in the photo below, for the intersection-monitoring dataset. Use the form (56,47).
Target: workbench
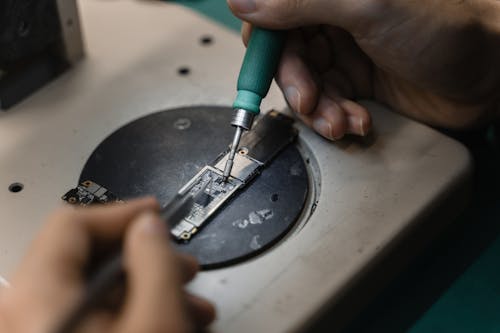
(379,200)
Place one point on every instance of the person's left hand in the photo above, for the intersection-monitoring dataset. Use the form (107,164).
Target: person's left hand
(51,279)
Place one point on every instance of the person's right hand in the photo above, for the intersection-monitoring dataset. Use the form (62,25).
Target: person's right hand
(50,280)
(435,61)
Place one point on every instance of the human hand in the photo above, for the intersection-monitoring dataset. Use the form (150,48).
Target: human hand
(434,61)
(51,278)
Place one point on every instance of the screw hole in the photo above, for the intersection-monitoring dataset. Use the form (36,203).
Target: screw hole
(183,71)
(206,40)
(308,161)
(69,22)
(275,197)
(16,187)
(243,151)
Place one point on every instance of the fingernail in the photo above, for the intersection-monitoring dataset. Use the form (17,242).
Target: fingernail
(292,96)
(150,223)
(323,127)
(243,6)
(355,125)
(362,129)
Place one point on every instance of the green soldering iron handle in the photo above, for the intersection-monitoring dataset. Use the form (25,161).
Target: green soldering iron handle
(259,67)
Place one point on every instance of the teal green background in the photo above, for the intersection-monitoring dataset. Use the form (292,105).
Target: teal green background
(214,9)
(455,285)
(472,303)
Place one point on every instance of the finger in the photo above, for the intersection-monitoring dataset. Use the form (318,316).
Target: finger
(200,310)
(154,302)
(286,14)
(96,322)
(64,244)
(246,31)
(110,221)
(188,266)
(358,118)
(328,120)
(296,79)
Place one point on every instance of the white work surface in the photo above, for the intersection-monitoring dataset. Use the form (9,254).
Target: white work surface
(370,195)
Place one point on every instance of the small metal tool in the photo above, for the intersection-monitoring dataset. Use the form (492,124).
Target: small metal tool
(112,273)
(256,75)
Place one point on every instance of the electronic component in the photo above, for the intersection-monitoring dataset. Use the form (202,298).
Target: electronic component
(88,193)
(270,135)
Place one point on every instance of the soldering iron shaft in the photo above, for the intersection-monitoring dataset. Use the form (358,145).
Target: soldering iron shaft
(232,154)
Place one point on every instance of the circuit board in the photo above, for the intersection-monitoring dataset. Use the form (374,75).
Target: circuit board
(270,135)
(215,191)
(88,193)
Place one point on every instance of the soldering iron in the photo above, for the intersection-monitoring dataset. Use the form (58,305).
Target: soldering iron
(256,75)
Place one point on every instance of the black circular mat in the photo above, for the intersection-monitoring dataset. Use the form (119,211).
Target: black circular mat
(159,153)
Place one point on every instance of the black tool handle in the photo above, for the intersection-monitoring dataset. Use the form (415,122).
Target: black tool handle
(107,278)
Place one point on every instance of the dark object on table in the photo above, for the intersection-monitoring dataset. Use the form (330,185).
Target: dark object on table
(38,41)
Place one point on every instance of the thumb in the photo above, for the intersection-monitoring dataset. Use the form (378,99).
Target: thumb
(287,14)
(155,299)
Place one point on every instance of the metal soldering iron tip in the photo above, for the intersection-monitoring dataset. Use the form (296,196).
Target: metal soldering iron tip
(232,154)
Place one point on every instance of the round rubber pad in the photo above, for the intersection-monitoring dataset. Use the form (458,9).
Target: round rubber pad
(157,154)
